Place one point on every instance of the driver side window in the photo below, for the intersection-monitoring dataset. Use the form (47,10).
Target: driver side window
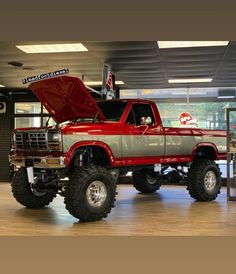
(131,119)
(137,111)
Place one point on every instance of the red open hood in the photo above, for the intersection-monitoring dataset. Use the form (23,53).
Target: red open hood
(66,98)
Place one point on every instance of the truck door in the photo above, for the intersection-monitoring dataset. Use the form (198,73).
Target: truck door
(142,140)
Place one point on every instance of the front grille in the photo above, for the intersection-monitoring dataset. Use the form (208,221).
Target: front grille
(31,140)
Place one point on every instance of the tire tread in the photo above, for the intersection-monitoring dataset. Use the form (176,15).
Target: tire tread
(195,178)
(23,194)
(141,184)
(75,190)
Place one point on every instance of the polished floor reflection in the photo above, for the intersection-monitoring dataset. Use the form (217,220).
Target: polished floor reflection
(171,211)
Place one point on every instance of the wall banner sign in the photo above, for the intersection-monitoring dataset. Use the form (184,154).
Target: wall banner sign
(45,76)
(108,83)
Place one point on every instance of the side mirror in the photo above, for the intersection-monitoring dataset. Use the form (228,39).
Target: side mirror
(146,120)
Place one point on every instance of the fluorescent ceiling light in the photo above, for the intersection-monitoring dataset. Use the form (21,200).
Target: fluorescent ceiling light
(2,86)
(51,48)
(225,97)
(188,44)
(190,80)
(99,83)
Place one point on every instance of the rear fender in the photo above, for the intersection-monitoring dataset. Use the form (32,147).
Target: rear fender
(203,146)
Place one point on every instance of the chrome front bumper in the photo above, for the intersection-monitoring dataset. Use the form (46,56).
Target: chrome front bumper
(47,162)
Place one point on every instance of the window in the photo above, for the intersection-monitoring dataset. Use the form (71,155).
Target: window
(30,114)
(28,108)
(131,119)
(45,111)
(211,115)
(140,110)
(112,110)
(51,122)
(21,122)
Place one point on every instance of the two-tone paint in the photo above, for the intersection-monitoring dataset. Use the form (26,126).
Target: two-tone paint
(67,99)
(128,145)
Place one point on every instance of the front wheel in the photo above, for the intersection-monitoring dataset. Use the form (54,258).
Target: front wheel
(26,194)
(90,193)
(204,180)
(146,181)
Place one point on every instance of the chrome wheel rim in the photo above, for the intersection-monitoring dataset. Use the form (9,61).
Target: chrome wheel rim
(210,180)
(151,180)
(96,194)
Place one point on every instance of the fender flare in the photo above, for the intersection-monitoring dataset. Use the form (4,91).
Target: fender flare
(205,144)
(69,155)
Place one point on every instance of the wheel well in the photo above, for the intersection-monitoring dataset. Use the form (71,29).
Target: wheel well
(205,152)
(90,155)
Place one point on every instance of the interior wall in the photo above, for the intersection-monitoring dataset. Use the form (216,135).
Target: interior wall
(5,136)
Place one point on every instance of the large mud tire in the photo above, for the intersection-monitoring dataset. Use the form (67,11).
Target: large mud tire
(90,193)
(25,195)
(204,180)
(145,181)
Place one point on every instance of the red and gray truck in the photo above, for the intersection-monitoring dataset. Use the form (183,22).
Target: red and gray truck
(93,141)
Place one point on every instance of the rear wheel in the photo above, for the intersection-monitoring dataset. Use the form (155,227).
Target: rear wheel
(26,194)
(90,193)
(146,181)
(204,180)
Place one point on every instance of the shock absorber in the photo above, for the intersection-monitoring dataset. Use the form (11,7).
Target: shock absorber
(30,174)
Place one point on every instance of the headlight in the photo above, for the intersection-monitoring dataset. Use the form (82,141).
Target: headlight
(54,140)
(56,137)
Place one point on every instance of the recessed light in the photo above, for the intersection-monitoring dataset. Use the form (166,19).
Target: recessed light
(99,83)
(187,44)
(15,64)
(51,48)
(2,86)
(190,80)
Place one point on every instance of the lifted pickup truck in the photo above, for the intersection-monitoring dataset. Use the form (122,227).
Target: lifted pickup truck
(92,141)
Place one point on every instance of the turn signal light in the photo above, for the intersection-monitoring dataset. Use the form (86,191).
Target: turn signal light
(55,147)
(51,160)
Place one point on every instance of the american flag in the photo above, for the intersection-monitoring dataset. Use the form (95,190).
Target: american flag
(109,80)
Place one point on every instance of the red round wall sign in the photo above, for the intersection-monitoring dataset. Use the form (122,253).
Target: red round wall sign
(185,118)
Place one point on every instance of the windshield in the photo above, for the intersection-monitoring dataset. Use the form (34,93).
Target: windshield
(112,110)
